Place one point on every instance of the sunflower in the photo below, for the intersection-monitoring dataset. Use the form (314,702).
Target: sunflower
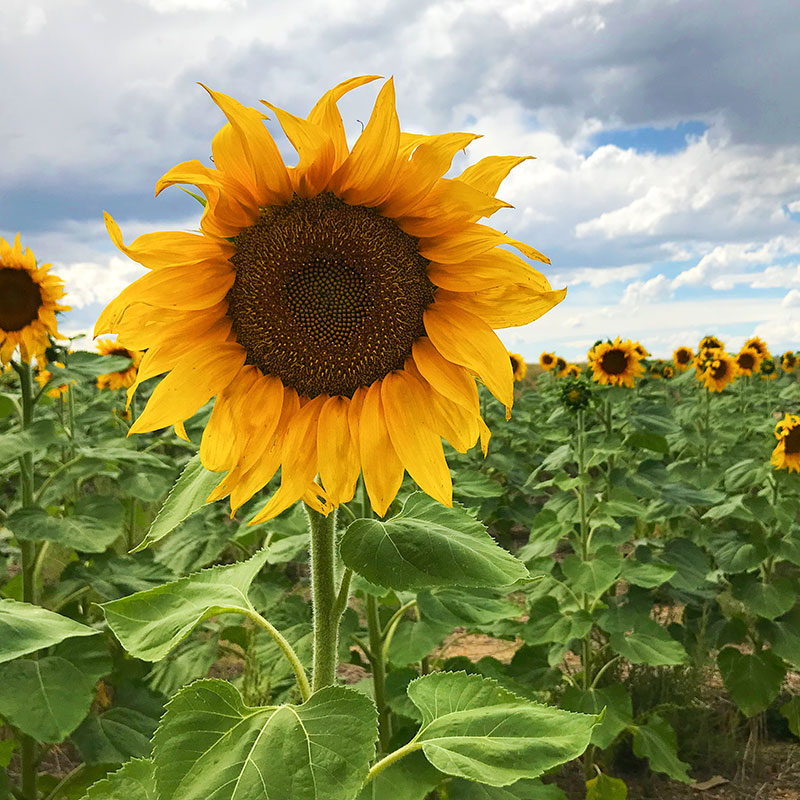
(123,378)
(704,358)
(719,370)
(518,366)
(575,395)
(616,363)
(668,371)
(572,371)
(641,350)
(748,361)
(710,343)
(759,345)
(593,349)
(768,369)
(560,367)
(337,309)
(547,361)
(43,377)
(682,357)
(786,454)
(789,361)
(28,303)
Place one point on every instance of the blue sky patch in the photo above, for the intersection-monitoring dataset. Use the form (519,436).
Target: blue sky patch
(651,140)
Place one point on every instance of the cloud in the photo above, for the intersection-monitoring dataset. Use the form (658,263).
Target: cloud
(791,299)
(89,282)
(650,291)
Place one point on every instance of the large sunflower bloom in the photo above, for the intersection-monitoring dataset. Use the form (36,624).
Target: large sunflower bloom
(720,369)
(547,361)
(337,309)
(748,361)
(786,454)
(789,361)
(519,368)
(616,363)
(28,303)
(123,378)
(759,345)
(682,358)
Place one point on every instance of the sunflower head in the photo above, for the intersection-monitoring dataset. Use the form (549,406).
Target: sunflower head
(122,378)
(786,454)
(560,367)
(518,366)
(616,363)
(748,361)
(718,371)
(768,368)
(572,371)
(682,358)
(789,361)
(641,350)
(575,395)
(28,303)
(338,310)
(592,349)
(547,361)
(668,371)
(43,377)
(710,343)
(759,345)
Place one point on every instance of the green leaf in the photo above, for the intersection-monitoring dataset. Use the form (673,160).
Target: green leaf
(35,439)
(459,607)
(475,485)
(428,544)
(656,741)
(187,496)
(648,576)
(210,744)
(648,440)
(521,790)
(410,778)
(547,622)
(25,628)
(7,748)
(768,600)
(753,680)
(8,405)
(134,780)
(413,641)
(86,364)
(791,711)
(653,646)
(784,641)
(45,698)
(595,575)
(618,710)
(474,729)
(604,787)
(149,624)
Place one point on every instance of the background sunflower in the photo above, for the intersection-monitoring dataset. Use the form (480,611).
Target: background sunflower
(518,366)
(719,370)
(786,454)
(616,363)
(122,378)
(682,358)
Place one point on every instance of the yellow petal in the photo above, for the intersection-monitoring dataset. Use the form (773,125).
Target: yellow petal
(406,408)
(382,469)
(447,378)
(180,431)
(505,306)
(489,172)
(494,268)
(194,380)
(465,339)
(364,178)
(339,464)
(473,240)
(270,184)
(326,114)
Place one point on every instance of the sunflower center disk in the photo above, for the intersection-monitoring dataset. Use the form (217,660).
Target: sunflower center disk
(20,299)
(746,361)
(720,371)
(614,362)
(327,296)
(792,442)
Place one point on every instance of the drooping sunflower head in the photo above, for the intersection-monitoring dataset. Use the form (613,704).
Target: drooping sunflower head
(518,366)
(682,358)
(768,369)
(719,370)
(43,377)
(668,371)
(122,378)
(560,367)
(547,361)
(337,309)
(28,303)
(786,454)
(748,361)
(575,394)
(616,363)
(759,345)
(789,361)
(640,349)
(572,371)
(711,343)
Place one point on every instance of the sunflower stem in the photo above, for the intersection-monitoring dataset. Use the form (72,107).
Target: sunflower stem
(28,558)
(377,646)
(323,598)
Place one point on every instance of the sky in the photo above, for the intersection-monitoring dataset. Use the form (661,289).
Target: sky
(666,182)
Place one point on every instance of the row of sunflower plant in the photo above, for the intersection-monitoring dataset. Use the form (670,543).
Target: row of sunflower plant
(337,312)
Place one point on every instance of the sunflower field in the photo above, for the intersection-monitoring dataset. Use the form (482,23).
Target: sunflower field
(439,573)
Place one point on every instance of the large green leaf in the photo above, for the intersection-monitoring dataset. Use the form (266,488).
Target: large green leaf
(791,712)
(35,439)
(594,575)
(150,623)
(46,698)
(653,646)
(473,728)
(410,778)
(210,744)
(460,607)
(25,628)
(753,680)
(768,600)
(187,496)
(428,544)
(618,710)
(521,790)
(134,781)
(656,741)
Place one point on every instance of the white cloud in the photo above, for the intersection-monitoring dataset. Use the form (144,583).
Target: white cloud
(91,282)
(791,299)
(650,291)
(171,6)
